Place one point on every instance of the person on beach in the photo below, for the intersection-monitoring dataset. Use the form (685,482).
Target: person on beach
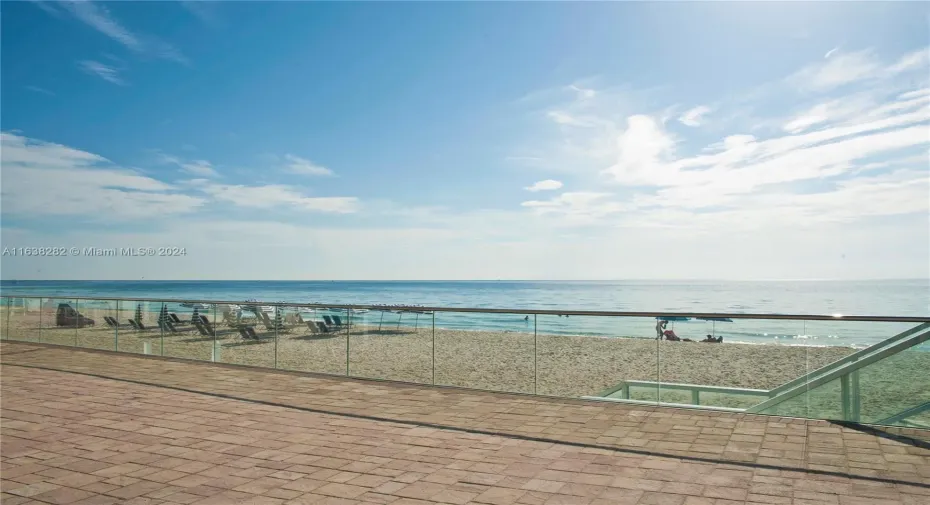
(670,335)
(710,339)
(660,329)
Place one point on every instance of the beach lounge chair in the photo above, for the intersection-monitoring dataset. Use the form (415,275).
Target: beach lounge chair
(338,321)
(205,328)
(323,327)
(334,323)
(270,325)
(311,325)
(244,334)
(166,325)
(251,332)
(112,323)
(175,319)
(136,325)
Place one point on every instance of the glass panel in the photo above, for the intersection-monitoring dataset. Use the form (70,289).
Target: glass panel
(719,362)
(400,350)
(59,320)
(887,389)
(188,330)
(102,334)
(893,386)
(7,305)
(596,356)
(492,351)
(312,341)
(24,319)
(138,327)
(251,338)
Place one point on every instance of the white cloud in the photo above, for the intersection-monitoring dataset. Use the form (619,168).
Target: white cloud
(641,151)
(787,173)
(105,72)
(272,196)
(546,185)
(301,166)
(41,178)
(583,93)
(202,168)
(693,117)
(831,52)
(912,61)
(840,69)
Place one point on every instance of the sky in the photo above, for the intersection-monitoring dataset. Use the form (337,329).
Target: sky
(297,140)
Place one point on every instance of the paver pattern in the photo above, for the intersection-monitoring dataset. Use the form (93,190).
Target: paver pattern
(86,427)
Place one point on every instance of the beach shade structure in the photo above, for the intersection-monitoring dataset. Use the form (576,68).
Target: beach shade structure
(138,318)
(714,321)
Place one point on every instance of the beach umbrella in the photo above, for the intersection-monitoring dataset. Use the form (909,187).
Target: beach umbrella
(714,321)
(138,313)
(672,319)
(162,316)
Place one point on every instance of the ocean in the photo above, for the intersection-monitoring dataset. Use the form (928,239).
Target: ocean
(873,298)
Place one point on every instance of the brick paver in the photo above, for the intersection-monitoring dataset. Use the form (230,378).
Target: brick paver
(97,428)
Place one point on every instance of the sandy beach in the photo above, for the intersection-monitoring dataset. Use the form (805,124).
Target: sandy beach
(557,365)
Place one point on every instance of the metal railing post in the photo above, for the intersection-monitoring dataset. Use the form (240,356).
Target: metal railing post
(116,330)
(535,359)
(348,336)
(845,397)
(854,406)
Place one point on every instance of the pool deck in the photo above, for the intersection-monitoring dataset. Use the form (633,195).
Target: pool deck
(92,427)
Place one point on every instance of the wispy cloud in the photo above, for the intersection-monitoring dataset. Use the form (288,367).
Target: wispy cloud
(280,196)
(205,11)
(693,117)
(301,166)
(199,168)
(546,185)
(43,178)
(105,72)
(46,6)
(40,90)
(99,18)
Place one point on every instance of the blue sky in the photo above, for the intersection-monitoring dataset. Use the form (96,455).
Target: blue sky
(295,140)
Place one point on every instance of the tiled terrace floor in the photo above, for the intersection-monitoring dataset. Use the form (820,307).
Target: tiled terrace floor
(98,428)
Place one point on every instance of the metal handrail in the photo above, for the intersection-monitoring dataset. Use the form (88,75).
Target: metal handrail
(838,372)
(563,312)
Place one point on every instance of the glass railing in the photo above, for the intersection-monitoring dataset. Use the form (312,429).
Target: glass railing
(852,368)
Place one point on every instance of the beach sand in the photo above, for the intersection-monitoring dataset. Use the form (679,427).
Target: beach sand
(556,365)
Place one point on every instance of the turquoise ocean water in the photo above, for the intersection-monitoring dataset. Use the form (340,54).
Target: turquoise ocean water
(879,298)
